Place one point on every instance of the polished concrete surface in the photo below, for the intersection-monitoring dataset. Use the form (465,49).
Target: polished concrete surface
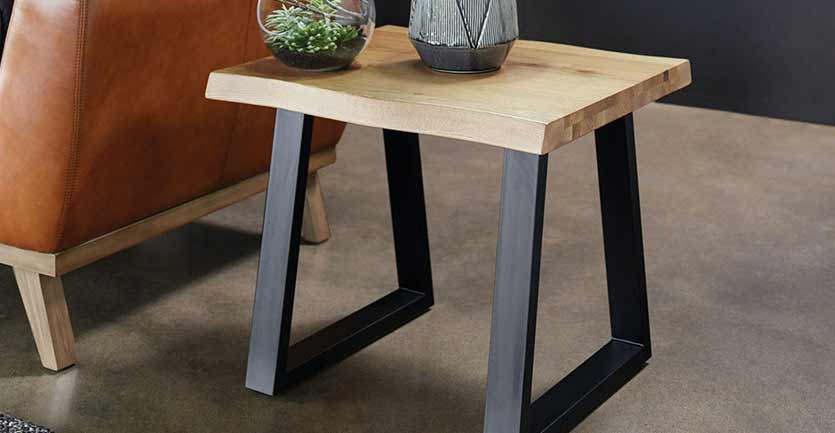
(739,223)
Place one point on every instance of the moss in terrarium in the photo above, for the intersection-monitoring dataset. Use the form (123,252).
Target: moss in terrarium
(321,61)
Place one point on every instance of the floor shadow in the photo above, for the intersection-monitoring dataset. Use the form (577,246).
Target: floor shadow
(127,281)
(384,389)
(111,288)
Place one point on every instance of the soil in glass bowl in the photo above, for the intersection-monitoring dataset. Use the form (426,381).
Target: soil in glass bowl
(322,61)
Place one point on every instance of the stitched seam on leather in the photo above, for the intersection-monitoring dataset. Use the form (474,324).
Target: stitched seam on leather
(236,118)
(78,108)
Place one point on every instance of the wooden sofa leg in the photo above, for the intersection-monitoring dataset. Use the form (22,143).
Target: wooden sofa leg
(315,228)
(46,307)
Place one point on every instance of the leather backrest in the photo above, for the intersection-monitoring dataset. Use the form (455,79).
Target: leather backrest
(109,122)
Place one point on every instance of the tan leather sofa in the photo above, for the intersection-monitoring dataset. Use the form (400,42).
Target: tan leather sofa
(106,138)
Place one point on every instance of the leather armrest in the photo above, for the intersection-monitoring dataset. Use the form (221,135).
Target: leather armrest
(40,89)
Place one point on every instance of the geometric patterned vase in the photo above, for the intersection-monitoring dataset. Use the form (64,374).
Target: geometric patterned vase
(463,36)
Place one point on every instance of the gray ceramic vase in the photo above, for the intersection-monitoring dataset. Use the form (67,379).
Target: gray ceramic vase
(463,36)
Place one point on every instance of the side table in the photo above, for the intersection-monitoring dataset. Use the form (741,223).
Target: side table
(546,96)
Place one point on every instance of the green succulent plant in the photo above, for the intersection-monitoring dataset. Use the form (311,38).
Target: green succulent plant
(308,27)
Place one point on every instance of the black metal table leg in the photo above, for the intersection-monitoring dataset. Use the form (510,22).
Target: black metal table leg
(273,363)
(276,283)
(509,407)
(622,233)
(408,212)
(515,297)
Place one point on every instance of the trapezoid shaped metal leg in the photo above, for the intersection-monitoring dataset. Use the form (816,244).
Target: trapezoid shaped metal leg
(509,407)
(275,365)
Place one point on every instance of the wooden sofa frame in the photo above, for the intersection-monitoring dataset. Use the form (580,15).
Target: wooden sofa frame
(39,274)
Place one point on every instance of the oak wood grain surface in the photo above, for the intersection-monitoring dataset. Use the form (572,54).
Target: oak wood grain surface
(545,96)
(49,318)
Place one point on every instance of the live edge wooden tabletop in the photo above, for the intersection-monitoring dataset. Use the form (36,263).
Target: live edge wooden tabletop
(545,96)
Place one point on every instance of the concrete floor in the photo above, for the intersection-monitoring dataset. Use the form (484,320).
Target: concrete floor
(739,222)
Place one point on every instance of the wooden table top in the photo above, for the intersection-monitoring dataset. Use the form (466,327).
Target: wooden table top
(545,96)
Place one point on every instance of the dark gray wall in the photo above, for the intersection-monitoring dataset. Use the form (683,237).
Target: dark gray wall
(764,57)
(5,14)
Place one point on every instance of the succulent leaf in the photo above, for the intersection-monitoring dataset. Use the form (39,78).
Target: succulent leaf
(308,27)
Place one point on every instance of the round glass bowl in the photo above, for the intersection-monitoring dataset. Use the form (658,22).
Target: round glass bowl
(316,35)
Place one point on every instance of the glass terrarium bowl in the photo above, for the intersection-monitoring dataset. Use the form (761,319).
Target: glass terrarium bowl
(316,35)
